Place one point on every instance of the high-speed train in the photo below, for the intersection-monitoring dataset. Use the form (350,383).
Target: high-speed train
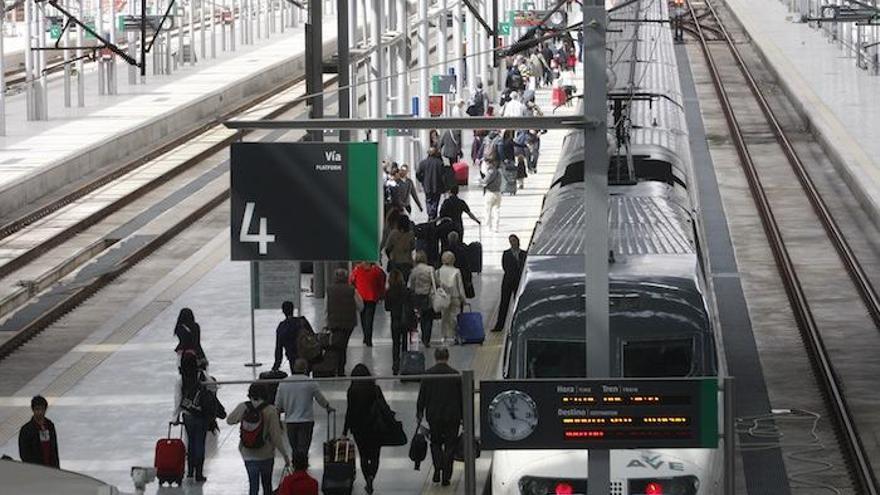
(660,318)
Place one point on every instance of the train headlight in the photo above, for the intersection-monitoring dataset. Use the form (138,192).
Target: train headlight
(533,485)
(679,485)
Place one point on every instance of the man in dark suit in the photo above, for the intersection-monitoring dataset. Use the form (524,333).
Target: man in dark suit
(512,261)
(440,402)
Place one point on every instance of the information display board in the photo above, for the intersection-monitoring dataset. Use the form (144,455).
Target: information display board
(599,414)
(273,283)
(305,201)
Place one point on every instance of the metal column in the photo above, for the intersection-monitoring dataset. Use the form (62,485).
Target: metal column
(102,67)
(377,72)
(423,73)
(111,62)
(202,41)
(442,49)
(598,341)
(472,60)
(343,48)
(67,70)
(29,60)
(470,458)
(2,74)
(80,77)
(314,86)
(402,70)
(42,77)
(131,37)
(192,32)
(213,26)
(459,52)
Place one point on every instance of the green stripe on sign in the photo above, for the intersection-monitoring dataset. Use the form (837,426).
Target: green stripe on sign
(363,201)
(709,413)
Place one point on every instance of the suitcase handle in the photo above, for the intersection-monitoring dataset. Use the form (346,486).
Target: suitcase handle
(331,414)
(175,423)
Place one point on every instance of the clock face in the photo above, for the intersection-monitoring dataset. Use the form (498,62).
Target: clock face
(513,415)
(557,20)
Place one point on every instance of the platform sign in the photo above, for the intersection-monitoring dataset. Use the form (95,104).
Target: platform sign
(599,414)
(504,28)
(132,23)
(443,84)
(399,132)
(305,201)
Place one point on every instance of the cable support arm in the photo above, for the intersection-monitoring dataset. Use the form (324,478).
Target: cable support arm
(106,43)
(159,29)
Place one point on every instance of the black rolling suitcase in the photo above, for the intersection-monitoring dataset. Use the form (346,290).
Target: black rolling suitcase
(339,456)
(412,360)
(474,252)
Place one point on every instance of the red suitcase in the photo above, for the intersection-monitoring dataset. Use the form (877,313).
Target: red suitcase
(170,458)
(558,96)
(461,173)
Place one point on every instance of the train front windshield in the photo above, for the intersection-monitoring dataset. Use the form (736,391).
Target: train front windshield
(641,358)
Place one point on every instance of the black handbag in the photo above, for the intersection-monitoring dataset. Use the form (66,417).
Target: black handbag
(388,428)
(458,452)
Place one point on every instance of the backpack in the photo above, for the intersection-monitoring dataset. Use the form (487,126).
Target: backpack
(477,106)
(308,345)
(251,429)
(490,148)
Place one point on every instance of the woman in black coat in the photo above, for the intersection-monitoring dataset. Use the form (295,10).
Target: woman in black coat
(189,336)
(399,302)
(365,400)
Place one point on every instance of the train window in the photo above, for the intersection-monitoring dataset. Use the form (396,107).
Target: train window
(658,358)
(555,359)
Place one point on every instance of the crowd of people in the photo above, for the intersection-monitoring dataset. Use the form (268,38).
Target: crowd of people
(421,260)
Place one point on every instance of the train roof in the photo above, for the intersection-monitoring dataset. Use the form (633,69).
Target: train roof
(643,219)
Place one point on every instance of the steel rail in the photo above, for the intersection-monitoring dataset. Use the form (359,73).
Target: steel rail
(847,256)
(860,468)
(68,232)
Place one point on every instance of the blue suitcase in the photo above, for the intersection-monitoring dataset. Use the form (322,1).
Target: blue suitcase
(470,327)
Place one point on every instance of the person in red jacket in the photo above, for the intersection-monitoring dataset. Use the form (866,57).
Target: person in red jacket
(368,280)
(299,482)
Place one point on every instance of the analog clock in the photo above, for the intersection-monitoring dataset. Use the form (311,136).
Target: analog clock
(513,415)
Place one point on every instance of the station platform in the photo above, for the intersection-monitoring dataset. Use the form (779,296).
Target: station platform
(838,100)
(38,157)
(112,397)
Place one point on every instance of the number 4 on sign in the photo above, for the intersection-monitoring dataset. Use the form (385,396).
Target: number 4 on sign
(263,237)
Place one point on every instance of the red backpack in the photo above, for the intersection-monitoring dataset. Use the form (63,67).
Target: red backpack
(252,428)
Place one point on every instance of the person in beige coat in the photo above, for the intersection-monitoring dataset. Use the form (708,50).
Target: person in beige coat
(259,459)
(449,278)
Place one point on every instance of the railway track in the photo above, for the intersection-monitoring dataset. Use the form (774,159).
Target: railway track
(756,131)
(96,213)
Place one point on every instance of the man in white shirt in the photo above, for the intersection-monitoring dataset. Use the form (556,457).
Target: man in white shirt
(295,399)
(514,107)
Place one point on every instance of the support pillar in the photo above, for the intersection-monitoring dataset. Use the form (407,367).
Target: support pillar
(458,49)
(3,75)
(472,49)
(29,60)
(442,49)
(111,62)
(68,97)
(424,74)
(377,72)
(42,77)
(402,70)
(598,351)
(80,77)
